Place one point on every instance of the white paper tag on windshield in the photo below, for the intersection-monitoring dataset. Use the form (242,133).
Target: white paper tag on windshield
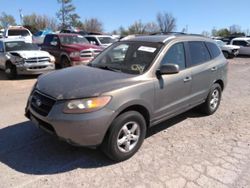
(147,49)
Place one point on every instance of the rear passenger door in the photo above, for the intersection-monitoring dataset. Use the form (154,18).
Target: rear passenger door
(202,68)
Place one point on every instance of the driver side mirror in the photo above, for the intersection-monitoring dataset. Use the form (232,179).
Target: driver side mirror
(168,69)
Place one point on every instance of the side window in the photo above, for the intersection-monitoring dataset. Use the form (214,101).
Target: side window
(239,43)
(92,40)
(1,47)
(48,39)
(198,53)
(214,50)
(175,55)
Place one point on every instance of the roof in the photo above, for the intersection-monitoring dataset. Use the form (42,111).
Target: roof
(242,38)
(65,34)
(97,36)
(164,38)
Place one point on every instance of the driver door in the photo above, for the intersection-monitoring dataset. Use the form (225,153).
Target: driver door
(172,91)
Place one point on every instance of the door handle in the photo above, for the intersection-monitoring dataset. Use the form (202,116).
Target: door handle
(187,79)
(214,69)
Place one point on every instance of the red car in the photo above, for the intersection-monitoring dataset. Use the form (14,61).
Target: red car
(69,49)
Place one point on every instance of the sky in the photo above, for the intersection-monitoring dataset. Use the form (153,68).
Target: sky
(196,15)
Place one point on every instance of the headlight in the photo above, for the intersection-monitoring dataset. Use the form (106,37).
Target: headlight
(74,54)
(86,105)
(52,58)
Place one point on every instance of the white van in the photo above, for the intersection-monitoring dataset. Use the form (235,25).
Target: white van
(18,32)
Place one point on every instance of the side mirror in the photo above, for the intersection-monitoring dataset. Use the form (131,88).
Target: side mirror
(53,43)
(168,69)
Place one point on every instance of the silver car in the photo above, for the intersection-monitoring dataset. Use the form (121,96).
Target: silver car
(128,88)
(20,58)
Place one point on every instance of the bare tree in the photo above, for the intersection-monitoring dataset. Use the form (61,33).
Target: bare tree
(234,29)
(6,20)
(93,25)
(40,22)
(152,27)
(205,33)
(166,22)
(137,28)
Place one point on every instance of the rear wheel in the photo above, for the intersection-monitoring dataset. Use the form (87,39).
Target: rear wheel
(65,62)
(125,136)
(213,100)
(10,71)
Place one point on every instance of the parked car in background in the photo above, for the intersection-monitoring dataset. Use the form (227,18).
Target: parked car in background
(18,32)
(70,49)
(39,36)
(103,41)
(20,58)
(128,88)
(243,43)
(1,33)
(229,51)
(74,31)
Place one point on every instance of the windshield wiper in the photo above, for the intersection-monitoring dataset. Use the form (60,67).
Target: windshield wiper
(105,67)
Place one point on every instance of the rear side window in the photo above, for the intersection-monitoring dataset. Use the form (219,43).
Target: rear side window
(214,50)
(198,52)
(175,55)
(17,32)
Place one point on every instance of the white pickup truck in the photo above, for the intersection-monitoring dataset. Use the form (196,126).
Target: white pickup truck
(229,51)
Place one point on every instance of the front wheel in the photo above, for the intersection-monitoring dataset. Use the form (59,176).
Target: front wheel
(213,100)
(125,136)
(65,62)
(10,71)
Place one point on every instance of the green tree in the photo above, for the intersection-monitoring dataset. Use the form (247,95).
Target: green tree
(223,32)
(6,19)
(67,14)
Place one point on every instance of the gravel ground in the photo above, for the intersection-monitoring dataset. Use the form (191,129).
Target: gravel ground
(187,151)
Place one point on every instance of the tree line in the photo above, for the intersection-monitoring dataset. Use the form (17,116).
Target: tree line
(67,18)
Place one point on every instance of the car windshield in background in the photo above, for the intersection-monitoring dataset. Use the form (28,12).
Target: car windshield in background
(128,57)
(67,39)
(20,45)
(106,40)
(18,32)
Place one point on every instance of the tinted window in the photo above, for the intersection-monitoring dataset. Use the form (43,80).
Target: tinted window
(1,47)
(48,39)
(92,40)
(175,55)
(16,32)
(198,52)
(239,43)
(214,50)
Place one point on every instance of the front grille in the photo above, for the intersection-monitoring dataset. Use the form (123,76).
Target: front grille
(37,60)
(90,53)
(44,125)
(41,103)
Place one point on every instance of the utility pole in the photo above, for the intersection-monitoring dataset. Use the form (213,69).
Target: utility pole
(21,16)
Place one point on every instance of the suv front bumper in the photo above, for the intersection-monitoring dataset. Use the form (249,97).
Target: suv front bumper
(34,68)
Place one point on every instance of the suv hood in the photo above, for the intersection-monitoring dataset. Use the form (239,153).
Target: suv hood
(81,82)
(81,47)
(31,53)
(230,47)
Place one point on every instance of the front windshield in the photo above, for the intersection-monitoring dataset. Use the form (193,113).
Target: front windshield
(220,43)
(73,39)
(106,40)
(19,45)
(128,57)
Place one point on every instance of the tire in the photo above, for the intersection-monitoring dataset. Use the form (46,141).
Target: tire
(64,62)
(10,71)
(226,55)
(125,136)
(213,100)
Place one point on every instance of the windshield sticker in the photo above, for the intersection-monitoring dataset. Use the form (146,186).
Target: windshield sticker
(147,49)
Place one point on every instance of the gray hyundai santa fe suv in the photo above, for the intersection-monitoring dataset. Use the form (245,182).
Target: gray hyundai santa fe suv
(129,87)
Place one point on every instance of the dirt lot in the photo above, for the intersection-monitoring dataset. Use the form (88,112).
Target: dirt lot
(187,151)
